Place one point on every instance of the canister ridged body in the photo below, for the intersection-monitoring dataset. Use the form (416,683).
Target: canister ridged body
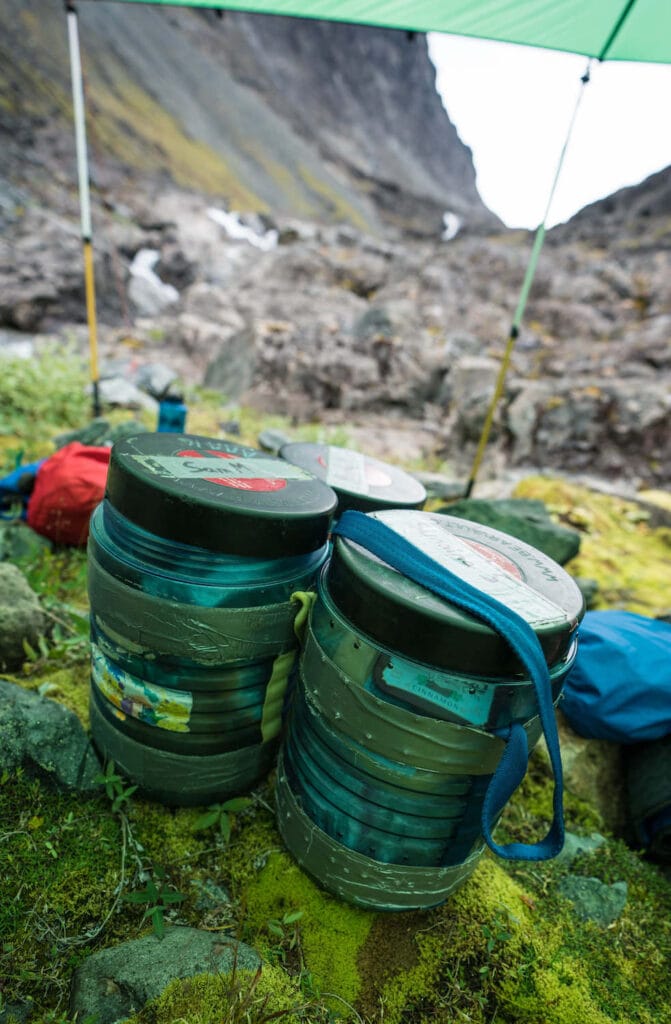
(192,648)
(386,759)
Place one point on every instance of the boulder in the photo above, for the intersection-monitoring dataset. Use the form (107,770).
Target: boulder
(18,543)
(593,900)
(594,772)
(21,617)
(115,983)
(231,371)
(44,737)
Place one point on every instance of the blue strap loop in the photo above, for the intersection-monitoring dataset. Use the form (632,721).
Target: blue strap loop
(378,538)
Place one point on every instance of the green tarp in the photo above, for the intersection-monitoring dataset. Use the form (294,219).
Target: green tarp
(637,30)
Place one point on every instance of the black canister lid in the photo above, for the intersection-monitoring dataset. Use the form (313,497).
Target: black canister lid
(219,495)
(361,482)
(407,618)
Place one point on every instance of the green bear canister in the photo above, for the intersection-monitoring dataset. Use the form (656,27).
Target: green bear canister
(392,736)
(197,559)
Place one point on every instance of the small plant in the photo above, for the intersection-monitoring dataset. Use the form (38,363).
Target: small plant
(158,897)
(116,791)
(284,928)
(218,816)
(495,935)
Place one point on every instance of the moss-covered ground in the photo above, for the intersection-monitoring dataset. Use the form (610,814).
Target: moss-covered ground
(505,948)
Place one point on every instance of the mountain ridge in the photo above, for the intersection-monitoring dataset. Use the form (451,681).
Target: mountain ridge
(272,114)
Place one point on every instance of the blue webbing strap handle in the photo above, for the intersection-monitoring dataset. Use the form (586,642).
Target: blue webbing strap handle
(401,554)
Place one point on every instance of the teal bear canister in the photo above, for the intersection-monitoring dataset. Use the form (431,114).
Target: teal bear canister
(360,481)
(197,560)
(395,731)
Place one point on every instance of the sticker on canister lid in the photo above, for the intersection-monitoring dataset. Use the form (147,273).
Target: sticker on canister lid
(475,565)
(245,474)
(361,482)
(346,470)
(217,495)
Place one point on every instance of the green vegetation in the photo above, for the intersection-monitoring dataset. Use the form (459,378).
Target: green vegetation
(38,398)
(630,561)
(80,874)
(239,997)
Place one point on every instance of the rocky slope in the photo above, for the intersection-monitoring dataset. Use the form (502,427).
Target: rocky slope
(331,323)
(326,309)
(268,114)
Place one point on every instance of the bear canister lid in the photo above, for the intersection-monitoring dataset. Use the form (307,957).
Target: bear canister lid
(405,617)
(361,482)
(219,495)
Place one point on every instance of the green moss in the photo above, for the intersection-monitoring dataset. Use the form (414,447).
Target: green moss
(242,997)
(130,125)
(331,932)
(61,859)
(629,560)
(506,947)
(167,833)
(338,206)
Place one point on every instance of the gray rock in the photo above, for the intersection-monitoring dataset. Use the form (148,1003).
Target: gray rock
(15,345)
(119,391)
(588,588)
(574,845)
(272,440)
(155,378)
(43,736)
(472,381)
(210,895)
(594,900)
(232,369)
(15,1013)
(18,543)
(374,323)
(441,487)
(117,982)
(21,617)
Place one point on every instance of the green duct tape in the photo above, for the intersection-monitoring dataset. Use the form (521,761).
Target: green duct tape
(429,743)
(478,702)
(356,878)
(209,684)
(363,765)
(183,780)
(208,636)
(242,729)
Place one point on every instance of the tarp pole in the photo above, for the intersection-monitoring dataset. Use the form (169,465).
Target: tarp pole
(84,198)
(522,301)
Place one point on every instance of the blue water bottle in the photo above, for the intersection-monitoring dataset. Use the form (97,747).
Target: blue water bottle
(171,415)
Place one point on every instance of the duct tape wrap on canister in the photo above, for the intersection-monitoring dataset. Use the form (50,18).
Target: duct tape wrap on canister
(194,556)
(402,701)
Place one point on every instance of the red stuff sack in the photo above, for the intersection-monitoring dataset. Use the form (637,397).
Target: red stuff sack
(68,487)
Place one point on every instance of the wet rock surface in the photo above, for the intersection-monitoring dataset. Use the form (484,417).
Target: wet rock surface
(43,737)
(21,617)
(593,900)
(116,982)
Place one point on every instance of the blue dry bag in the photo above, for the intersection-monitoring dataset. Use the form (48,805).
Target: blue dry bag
(619,688)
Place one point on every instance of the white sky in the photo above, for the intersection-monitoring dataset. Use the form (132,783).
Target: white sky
(512,105)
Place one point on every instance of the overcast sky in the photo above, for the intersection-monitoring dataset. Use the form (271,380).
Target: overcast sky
(512,105)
